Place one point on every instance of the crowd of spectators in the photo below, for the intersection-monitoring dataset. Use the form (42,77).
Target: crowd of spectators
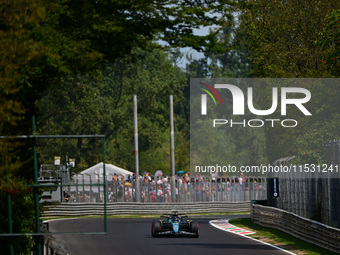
(157,188)
(187,188)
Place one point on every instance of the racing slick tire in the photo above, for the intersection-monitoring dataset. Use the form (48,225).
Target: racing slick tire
(194,228)
(156,227)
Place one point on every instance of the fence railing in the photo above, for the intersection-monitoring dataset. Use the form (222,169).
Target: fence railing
(229,189)
(302,228)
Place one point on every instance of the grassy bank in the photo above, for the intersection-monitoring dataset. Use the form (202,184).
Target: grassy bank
(280,239)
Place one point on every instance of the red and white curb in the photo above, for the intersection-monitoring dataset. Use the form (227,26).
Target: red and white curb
(226,226)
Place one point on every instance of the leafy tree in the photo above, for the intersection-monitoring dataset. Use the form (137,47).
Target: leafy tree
(46,40)
(329,40)
(104,106)
(233,61)
(282,36)
(296,39)
(46,43)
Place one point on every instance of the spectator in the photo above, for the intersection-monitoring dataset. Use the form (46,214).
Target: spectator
(153,197)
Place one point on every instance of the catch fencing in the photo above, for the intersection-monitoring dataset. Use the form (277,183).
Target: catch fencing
(222,189)
(300,227)
(314,195)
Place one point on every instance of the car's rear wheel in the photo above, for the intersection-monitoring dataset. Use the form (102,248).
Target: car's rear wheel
(156,227)
(194,228)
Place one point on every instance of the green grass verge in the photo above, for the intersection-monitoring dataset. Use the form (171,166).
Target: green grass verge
(280,239)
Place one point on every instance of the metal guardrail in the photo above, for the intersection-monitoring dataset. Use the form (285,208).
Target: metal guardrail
(128,208)
(305,229)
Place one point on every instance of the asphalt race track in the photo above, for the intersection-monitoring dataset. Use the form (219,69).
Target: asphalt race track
(133,236)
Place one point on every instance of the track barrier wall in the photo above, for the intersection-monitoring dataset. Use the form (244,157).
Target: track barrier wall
(133,208)
(305,229)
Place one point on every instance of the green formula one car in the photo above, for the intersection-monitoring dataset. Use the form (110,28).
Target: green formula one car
(174,225)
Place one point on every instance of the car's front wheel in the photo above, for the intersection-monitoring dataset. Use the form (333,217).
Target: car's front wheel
(156,227)
(194,228)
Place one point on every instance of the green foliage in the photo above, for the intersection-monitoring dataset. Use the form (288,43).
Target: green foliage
(22,219)
(12,181)
(232,61)
(329,40)
(49,51)
(282,36)
(85,105)
(297,39)
(17,48)
(46,40)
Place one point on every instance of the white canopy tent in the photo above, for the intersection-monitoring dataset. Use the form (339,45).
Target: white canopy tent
(97,171)
(95,175)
